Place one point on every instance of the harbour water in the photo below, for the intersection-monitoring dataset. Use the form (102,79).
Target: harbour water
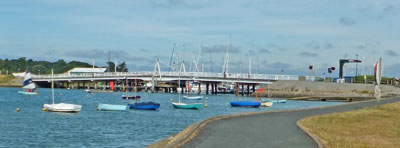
(32,127)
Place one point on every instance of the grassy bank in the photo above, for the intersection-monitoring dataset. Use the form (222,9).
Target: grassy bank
(5,79)
(369,127)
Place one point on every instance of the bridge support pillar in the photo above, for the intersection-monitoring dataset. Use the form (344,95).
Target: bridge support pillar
(207,85)
(254,87)
(212,88)
(199,90)
(242,89)
(216,89)
(248,89)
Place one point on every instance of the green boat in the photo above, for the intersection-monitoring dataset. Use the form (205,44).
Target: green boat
(181,105)
(187,106)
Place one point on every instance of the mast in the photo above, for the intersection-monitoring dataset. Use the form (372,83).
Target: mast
(172,60)
(52,85)
(225,66)
(135,90)
(126,88)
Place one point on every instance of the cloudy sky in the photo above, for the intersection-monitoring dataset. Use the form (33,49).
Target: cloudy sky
(280,37)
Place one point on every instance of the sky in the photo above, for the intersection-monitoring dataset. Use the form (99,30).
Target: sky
(278,37)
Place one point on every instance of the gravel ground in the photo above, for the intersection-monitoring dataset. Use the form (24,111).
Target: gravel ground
(298,89)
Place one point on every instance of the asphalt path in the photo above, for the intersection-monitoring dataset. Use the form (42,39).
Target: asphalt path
(274,129)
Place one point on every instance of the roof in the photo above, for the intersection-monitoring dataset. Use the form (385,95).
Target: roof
(88,70)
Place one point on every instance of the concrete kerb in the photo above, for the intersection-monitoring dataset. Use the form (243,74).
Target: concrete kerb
(198,126)
(307,131)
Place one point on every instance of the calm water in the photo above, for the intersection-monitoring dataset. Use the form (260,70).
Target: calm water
(91,128)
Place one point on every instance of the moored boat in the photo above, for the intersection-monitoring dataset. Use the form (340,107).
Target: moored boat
(144,105)
(112,107)
(193,97)
(187,106)
(62,107)
(245,103)
(130,97)
(266,104)
(274,100)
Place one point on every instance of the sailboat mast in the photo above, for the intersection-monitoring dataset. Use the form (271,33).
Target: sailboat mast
(126,88)
(52,85)
(135,90)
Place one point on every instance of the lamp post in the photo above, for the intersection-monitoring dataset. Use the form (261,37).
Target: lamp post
(356,63)
(38,71)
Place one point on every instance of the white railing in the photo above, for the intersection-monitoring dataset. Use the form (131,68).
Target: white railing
(210,75)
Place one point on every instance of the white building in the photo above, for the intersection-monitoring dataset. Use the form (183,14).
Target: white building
(79,71)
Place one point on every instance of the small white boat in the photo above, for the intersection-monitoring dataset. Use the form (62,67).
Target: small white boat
(62,107)
(266,104)
(193,97)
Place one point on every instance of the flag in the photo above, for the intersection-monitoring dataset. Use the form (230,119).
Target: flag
(260,90)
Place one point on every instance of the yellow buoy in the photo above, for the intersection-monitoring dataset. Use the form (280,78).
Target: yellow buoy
(205,105)
(18,109)
(44,109)
(171,100)
(206,101)
(98,108)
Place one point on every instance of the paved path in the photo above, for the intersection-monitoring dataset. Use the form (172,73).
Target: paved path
(276,129)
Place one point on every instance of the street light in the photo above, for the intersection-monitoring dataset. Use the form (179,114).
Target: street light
(38,71)
(356,63)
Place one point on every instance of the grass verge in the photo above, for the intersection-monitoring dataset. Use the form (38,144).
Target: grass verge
(4,79)
(369,127)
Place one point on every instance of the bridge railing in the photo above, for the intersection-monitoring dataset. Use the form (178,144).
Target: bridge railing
(173,74)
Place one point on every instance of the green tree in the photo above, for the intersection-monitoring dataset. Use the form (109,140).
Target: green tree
(111,66)
(122,67)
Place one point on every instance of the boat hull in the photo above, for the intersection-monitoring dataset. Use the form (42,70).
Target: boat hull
(112,107)
(28,93)
(266,104)
(144,106)
(62,107)
(131,97)
(245,104)
(193,97)
(274,101)
(187,106)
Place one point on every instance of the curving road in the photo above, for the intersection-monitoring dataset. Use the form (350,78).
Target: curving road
(275,129)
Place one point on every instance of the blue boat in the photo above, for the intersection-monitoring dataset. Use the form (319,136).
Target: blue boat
(112,107)
(144,106)
(245,103)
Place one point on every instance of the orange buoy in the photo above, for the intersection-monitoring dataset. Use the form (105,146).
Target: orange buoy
(44,109)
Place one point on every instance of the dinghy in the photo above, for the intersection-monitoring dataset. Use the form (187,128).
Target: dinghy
(274,100)
(112,107)
(181,105)
(187,106)
(191,97)
(266,104)
(28,86)
(144,105)
(245,103)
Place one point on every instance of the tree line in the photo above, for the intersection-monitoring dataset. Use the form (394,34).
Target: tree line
(44,67)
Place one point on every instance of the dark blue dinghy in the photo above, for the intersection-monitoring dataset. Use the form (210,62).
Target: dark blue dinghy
(144,106)
(245,103)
